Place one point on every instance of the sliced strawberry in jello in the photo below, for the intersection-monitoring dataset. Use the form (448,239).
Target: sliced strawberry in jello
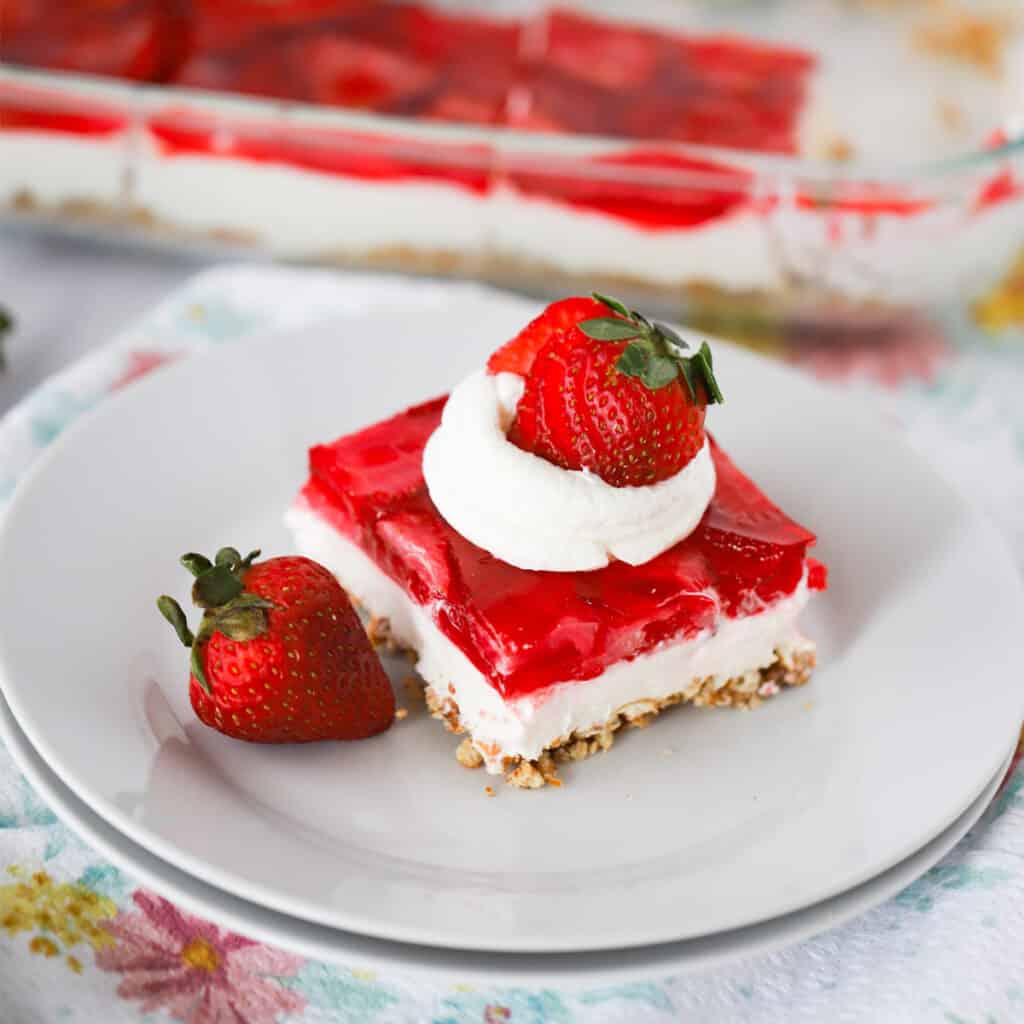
(226,25)
(104,37)
(442,38)
(409,60)
(252,71)
(606,54)
(464,107)
(419,550)
(379,466)
(608,78)
(523,629)
(349,72)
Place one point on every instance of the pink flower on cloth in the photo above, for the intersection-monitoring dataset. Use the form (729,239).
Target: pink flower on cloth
(193,970)
(138,364)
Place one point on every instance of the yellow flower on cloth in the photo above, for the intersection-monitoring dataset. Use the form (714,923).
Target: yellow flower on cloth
(62,914)
(1003,305)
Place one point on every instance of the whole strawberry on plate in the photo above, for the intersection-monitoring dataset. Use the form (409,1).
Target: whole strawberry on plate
(280,655)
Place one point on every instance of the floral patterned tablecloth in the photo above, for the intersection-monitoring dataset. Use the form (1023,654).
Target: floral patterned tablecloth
(81,942)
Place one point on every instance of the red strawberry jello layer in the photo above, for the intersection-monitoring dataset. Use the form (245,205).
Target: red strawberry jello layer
(530,662)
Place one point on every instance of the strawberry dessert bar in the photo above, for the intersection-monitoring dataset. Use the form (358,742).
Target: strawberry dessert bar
(563,546)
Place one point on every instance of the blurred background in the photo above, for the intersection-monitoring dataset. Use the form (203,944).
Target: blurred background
(839,182)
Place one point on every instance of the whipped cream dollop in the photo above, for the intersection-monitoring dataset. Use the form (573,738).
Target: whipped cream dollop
(536,515)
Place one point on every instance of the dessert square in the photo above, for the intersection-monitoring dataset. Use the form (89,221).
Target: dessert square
(541,666)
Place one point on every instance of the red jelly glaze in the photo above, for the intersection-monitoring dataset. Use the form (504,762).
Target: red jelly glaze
(389,58)
(23,119)
(656,191)
(410,60)
(351,154)
(524,629)
(40,110)
(592,76)
(608,78)
(580,74)
(132,39)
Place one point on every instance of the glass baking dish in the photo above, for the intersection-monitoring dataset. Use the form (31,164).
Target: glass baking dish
(813,168)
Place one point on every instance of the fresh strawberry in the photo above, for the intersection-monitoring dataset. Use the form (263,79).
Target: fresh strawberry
(614,394)
(280,655)
(517,355)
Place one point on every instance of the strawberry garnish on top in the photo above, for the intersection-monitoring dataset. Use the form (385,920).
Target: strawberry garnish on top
(608,391)
(517,355)
(280,655)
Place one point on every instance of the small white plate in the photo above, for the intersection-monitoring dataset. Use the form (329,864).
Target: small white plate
(709,821)
(529,969)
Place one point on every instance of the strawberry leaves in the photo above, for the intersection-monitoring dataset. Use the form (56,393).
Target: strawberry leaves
(655,354)
(658,372)
(216,586)
(615,305)
(699,367)
(227,607)
(609,328)
(171,611)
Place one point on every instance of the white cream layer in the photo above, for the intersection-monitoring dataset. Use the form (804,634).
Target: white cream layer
(299,212)
(736,250)
(304,213)
(536,515)
(527,726)
(308,214)
(55,168)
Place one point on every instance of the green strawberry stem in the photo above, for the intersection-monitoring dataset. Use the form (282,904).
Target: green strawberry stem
(171,611)
(227,607)
(655,354)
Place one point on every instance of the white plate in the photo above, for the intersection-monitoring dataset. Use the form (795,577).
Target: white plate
(709,821)
(553,969)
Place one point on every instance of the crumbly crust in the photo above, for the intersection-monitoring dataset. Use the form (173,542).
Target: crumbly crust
(790,668)
(91,211)
(767,306)
(378,629)
(744,692)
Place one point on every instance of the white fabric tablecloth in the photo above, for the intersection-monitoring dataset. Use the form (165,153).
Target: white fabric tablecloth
(80,941)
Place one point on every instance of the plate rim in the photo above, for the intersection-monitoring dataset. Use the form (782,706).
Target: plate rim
(257,892)
(353,950)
